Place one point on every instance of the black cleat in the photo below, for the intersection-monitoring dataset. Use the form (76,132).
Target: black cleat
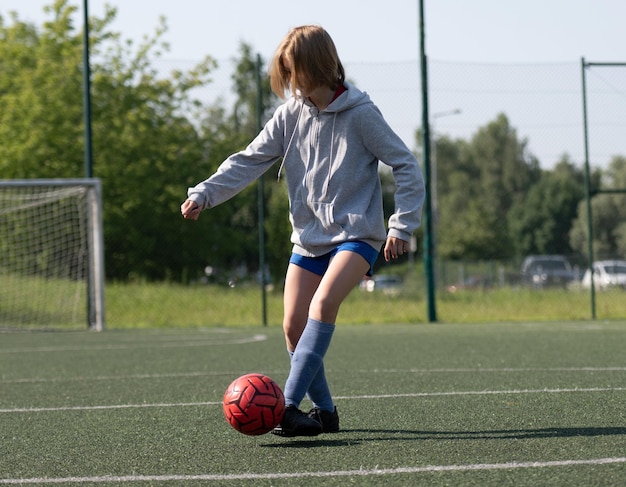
(297,423)
(328,420)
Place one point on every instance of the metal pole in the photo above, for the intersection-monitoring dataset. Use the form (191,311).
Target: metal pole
(588,191)
(91,284)
(428,236)
(87,93)
(261,195)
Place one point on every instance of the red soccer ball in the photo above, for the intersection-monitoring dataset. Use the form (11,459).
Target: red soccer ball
(254,404)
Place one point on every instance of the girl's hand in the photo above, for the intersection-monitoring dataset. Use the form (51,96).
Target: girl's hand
(395,247)
(190,210)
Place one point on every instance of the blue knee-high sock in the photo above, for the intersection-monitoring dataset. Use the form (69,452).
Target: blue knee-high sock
(307,359)
(319,392)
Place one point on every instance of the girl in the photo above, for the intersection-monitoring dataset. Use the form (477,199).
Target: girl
(331,137)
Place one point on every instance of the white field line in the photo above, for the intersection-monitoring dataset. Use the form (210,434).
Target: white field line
(485,393)
(180,375)
(500,369)
(182,343)
(372,396)
(84,378)
(320,474)
(111,406)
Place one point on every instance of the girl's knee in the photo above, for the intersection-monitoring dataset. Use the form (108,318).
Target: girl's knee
(324,308)
(293,330)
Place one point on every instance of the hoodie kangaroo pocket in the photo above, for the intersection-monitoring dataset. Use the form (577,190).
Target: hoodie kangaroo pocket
(314,224)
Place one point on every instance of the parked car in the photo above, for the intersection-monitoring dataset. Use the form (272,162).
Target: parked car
(473,282)
(606,274)
(546,270)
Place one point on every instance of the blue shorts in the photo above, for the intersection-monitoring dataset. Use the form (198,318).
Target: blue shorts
(318,265)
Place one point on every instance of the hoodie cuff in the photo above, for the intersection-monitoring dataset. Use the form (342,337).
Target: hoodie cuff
(198,198)
(394,232)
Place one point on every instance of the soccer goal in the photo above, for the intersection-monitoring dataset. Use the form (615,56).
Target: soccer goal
(51,254)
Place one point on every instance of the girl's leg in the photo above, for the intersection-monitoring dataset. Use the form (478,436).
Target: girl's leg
(344,272)
(300,286)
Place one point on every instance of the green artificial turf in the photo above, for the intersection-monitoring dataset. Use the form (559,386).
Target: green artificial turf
(498,404)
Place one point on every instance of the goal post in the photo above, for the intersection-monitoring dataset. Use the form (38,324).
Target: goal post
(51,254)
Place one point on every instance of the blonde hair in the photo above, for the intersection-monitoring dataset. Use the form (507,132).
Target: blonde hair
(312,58)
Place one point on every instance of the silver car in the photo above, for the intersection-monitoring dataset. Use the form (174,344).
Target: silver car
(541,271)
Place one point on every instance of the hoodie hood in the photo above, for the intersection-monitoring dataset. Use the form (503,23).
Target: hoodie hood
(350,98)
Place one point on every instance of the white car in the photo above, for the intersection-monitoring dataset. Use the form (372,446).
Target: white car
(606,274)
(385,283)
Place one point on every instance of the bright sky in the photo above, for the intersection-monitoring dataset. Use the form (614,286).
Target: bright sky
(375,31)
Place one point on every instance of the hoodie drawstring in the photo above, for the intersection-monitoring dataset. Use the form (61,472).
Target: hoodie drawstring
(330,160)
(282,163)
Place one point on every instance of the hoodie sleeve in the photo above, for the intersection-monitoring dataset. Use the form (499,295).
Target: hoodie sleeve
(241,169)
(388,148)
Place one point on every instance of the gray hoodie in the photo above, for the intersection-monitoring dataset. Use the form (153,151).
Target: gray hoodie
(330,159)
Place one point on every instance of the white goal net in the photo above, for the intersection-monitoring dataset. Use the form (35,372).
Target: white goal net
(51,254)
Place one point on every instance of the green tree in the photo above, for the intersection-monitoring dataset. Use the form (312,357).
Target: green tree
(145,147)
(617,174)
(608,213)
(478,182)
(235,224)
(541,222)
(246,79)
(145,150)
(278,230)
(40,97)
